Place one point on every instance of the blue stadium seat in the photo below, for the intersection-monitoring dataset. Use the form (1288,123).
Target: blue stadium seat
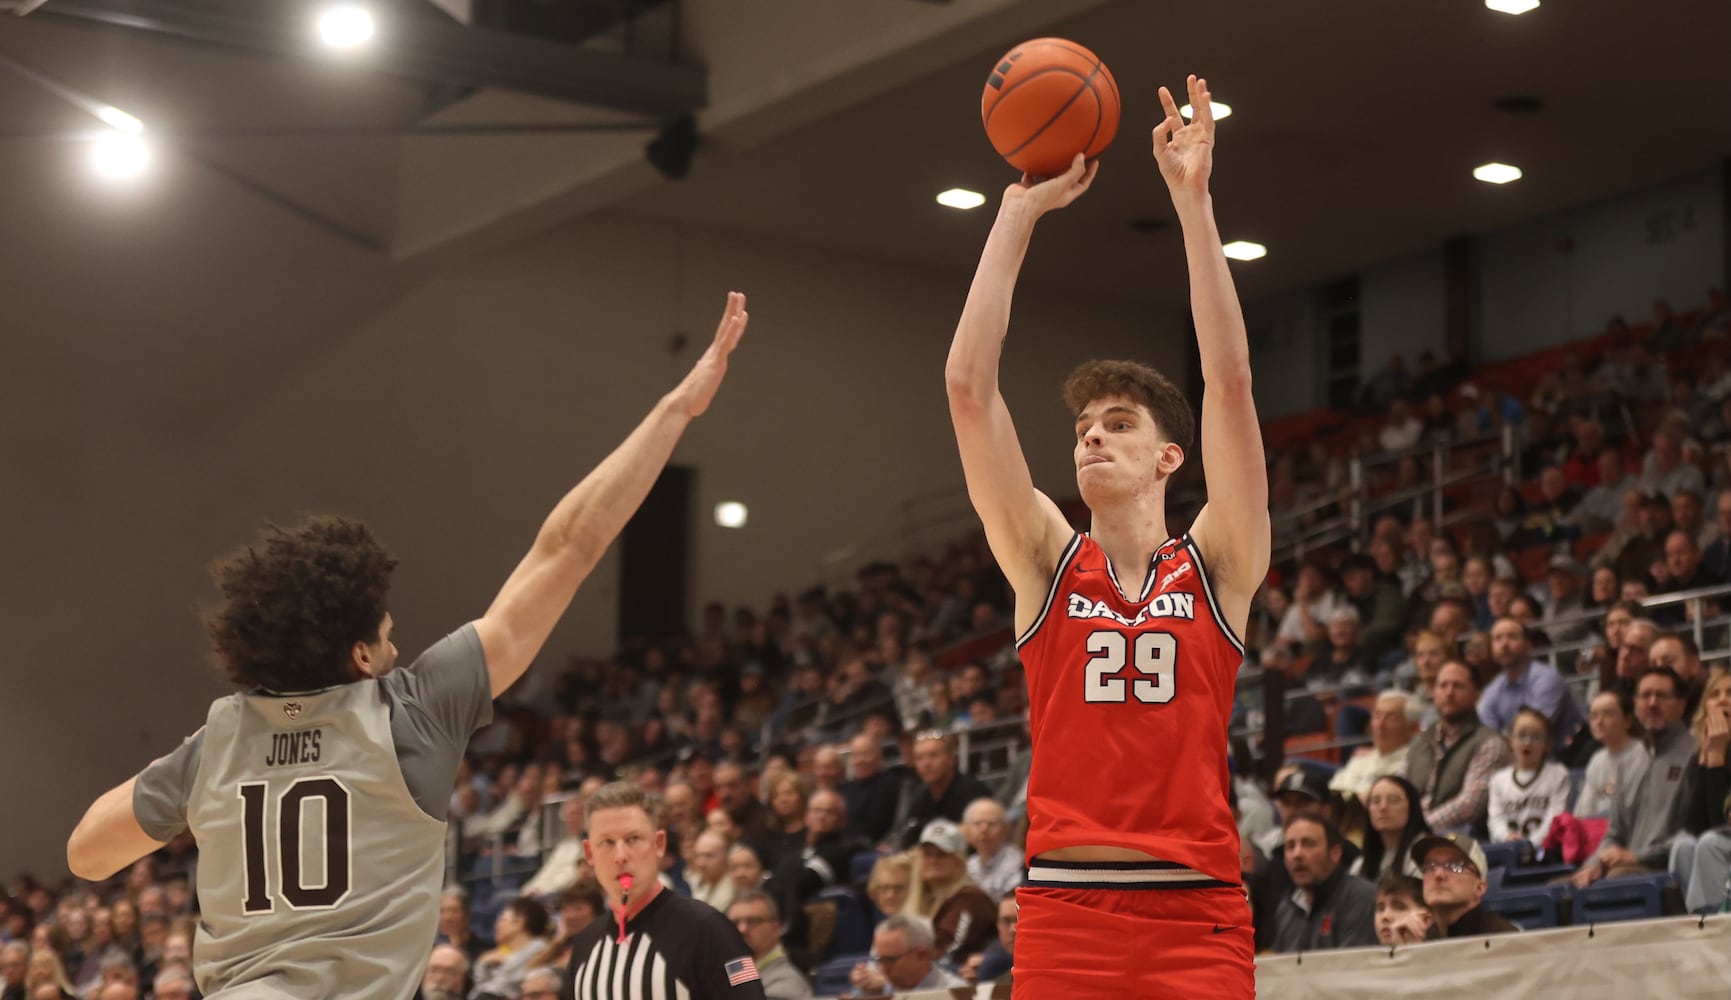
(1503,854)
(862,866)
(1530,908)
(1494,878)
(1530,875)
(853,922)
(831,978)
(1634,897)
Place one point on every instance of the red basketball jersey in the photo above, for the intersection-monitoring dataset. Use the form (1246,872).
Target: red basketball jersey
(1128,706)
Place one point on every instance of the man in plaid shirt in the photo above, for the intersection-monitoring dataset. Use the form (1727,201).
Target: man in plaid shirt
(1451,763)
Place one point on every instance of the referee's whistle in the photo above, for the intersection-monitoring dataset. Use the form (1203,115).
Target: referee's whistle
(625,881)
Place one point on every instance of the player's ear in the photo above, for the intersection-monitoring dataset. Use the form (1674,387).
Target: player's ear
(1171,457)
(361,658)
(661,842)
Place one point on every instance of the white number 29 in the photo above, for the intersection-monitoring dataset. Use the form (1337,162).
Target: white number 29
(1155,656)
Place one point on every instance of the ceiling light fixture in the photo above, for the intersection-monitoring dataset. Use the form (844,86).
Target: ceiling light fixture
(345,26)
(730,514)
(1220,110)
(119,156)
(1497,173)
(1245,250)
(1512,6)
(961,198)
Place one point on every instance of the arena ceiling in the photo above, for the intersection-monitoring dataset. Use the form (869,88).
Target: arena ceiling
(834,123)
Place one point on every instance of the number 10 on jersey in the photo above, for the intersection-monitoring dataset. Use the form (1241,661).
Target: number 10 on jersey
(273,855)
(1153,654)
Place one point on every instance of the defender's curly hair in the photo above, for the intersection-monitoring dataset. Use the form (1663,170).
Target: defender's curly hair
(296,601)
(1134,381)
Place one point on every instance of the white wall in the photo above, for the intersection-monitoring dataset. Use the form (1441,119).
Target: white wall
(452,418)
(1564,276)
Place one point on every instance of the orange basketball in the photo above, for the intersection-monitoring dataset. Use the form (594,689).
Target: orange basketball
(1046,101)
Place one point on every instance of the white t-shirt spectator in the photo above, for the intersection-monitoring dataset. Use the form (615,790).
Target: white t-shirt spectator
(1523,803)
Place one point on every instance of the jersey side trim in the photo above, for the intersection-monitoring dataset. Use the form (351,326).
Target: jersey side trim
(1208,592)
(1052,594)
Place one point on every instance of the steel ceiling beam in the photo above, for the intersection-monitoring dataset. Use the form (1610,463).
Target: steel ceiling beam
(417,46)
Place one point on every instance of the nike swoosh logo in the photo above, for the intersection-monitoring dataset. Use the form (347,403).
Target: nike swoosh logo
(1222,930)
(1081,569)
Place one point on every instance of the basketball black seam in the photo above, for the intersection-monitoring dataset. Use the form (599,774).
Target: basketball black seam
(1099,116)
(1031,76)
(1099,105)
(1056,43)
(1087,84)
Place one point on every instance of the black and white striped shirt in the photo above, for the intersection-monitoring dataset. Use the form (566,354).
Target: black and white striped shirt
(676,948)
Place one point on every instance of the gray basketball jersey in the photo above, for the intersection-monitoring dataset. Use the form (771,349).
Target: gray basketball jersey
(319,867)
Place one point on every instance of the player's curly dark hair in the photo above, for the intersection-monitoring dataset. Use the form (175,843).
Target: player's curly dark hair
(296,601)
(1134,381)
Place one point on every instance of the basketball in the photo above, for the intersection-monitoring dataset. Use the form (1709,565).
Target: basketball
(1047,100)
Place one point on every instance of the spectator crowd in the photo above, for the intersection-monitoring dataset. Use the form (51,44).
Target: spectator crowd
(1498,678)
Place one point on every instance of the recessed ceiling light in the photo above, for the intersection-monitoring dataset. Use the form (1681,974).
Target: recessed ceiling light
(118,156)
(118,119)
(730,514)
(961,198)
(1497,173)
(1512,6)
(345,26)
(1245,250)
(1220,110)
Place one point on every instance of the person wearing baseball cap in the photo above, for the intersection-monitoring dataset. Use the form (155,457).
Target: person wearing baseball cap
(1454,885)
(1296,791)
(1328,906)
(964,919)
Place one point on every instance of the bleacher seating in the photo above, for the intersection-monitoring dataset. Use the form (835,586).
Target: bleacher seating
(1502,854)
(831,978)
(862,867)
(1632,897)
(853,921)
(1528,907)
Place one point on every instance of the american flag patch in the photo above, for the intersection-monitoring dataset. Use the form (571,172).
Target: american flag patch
(741,970)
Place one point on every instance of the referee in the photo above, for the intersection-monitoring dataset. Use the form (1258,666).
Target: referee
(651,944)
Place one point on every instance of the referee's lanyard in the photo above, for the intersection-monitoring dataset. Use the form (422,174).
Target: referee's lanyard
(624,903)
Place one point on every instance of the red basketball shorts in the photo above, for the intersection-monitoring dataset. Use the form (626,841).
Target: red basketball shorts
(1099,931)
